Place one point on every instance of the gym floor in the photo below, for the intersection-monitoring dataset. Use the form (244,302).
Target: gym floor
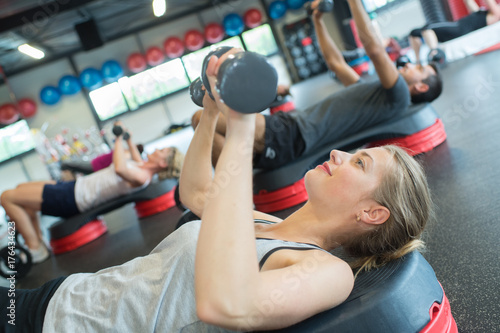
(463,174)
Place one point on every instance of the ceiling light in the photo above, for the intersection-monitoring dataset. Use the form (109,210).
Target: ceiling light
(31,51)
(159,7)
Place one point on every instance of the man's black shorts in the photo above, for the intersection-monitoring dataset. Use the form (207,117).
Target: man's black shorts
(283,142)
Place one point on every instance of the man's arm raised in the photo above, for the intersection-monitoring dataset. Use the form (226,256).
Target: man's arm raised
(331,54)
(374,48)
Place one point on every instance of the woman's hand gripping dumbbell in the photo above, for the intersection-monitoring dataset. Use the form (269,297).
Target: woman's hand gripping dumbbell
(246,81)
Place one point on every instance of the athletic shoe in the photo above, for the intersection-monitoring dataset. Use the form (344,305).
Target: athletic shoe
(39,255)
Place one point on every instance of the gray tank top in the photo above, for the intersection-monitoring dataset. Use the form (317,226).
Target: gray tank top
(154,293)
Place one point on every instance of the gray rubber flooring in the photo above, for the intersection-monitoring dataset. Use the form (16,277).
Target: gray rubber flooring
(463,174)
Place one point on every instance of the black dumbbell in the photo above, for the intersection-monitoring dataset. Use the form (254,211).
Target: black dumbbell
(324,6)
(196,91)
(118,130)
(437,56)
(218,52)
(402,61)
(246,81)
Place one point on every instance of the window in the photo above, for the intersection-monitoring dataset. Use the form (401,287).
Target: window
(108,101)
(260,40)
(15,139)
(194,60)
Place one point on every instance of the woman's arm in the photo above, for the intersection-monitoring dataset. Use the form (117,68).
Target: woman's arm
(197,172)
(131,173)
(134,152)
(230,290)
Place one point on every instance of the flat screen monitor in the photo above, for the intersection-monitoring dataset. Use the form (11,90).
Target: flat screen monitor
(260,40)
(171,76)
(15,139)
(108,101)
(194,60)
(145,87)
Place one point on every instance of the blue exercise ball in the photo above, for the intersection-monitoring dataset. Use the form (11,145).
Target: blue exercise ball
(91,78)
(111,71)
(295,4)
(233,24)
(50,95)
(69,85)
(277,9)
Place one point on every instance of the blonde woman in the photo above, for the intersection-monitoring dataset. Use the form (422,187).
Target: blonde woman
(66,199)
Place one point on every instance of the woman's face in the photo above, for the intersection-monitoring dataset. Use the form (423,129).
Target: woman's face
(347,179)
(159,155)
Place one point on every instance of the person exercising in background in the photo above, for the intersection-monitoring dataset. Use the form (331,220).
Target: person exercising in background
(441,32)
(69,198)
(283,137)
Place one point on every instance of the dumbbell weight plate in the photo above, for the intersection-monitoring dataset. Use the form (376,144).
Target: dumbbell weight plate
(218,52)
(325,6)
(252,74)
(196,92)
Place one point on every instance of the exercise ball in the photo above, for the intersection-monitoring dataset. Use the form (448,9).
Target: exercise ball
(8,114)
(214,33)
(233,24)
(154,56)
(295,4)
(252,18)
(50,95)
(136,62)
(174,47)
(111,71)
(69,85)
(91,78)
(26,107)
(277,9)
(194,40)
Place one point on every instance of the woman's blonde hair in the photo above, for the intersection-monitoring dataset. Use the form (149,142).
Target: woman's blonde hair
(174,165)
(405,192)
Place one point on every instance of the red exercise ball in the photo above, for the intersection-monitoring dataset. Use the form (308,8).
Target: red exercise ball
(252,18)
(214,33)
(136,62)
(194,40)
(174,47)
(27,107)
(154,56)
(8,114)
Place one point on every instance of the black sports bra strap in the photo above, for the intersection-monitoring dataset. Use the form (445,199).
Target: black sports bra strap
(264,258)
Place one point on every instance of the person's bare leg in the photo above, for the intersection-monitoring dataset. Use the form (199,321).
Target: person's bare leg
(16,202)
(35,221)
(416,43)
(430,38)
(493,12)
